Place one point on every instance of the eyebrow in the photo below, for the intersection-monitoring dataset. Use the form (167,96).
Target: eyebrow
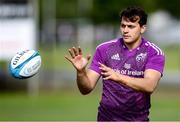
(127,24)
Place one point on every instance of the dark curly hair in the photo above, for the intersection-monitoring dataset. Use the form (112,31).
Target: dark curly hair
(132,14)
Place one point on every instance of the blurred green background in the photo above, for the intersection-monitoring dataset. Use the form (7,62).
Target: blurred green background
(52,94)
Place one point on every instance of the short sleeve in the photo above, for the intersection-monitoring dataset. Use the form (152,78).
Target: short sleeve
(156,62)
(96,58)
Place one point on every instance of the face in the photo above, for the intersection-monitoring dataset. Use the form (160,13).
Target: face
(131,31)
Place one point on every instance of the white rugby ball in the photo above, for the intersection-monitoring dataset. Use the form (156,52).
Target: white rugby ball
(25,64)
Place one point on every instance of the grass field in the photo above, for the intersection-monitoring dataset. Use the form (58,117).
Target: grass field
(71,106)
(48,107)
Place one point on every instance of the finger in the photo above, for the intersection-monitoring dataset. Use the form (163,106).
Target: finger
(107,69)
(102,65)
(68,58)
(75,51)
(104,68)
(105,74)
(88,57)
(80,51)
(107,78)
(71,53)
(99,63)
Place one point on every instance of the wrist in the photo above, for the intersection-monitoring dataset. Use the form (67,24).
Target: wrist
(121,78)
(81,72)
(124,79)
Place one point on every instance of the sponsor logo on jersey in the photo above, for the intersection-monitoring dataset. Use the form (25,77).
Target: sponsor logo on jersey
(127,66)
(130,72)
(115,57)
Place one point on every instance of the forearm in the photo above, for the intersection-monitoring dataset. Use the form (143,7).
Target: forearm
(83,82)
(139,84)
(146,84)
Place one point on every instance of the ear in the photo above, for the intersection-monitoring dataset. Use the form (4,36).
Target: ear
(143,29)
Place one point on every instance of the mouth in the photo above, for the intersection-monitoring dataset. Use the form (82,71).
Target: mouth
(126,36)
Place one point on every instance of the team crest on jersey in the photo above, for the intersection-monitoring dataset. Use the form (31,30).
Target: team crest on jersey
(141,57)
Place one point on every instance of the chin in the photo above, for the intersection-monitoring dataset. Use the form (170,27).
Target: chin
(128,41)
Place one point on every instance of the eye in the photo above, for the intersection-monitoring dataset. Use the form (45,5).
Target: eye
(123,26)
(131,26)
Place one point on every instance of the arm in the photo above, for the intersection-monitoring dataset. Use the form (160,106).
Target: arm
(146,84)
(86,78)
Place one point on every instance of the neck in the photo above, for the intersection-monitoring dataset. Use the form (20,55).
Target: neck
(134,44)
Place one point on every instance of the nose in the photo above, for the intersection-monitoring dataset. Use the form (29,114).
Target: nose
(125,30)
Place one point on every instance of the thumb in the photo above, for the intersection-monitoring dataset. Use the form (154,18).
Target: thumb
(66,56)
(88,57)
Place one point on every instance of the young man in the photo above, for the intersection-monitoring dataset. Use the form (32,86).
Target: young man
(130,66)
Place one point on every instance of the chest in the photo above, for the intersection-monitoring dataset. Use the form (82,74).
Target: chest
(131,63)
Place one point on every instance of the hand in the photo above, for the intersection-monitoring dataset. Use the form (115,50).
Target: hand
(108,73)
(77,59)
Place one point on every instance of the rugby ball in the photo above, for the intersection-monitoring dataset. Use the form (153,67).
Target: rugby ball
(25,64)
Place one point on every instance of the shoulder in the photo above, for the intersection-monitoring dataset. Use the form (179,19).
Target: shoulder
(156,57)
(106,44)
(153,48)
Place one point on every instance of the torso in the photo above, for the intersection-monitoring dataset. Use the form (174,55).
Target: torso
(120,102)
